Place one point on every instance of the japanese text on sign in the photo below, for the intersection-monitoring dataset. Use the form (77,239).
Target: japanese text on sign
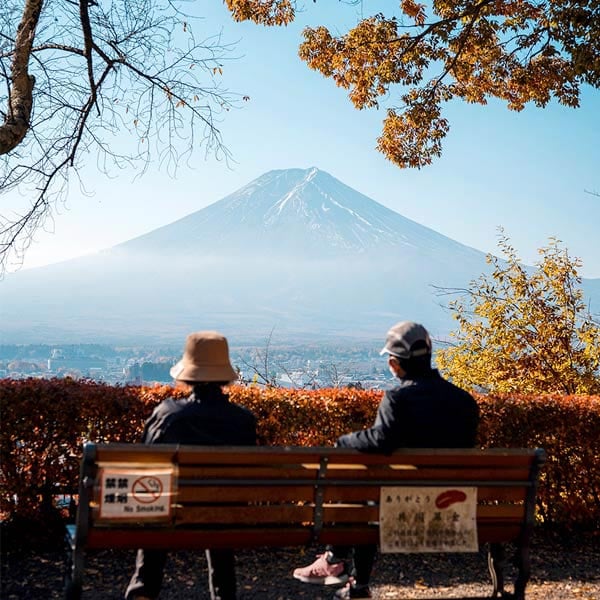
(129,493)
(428,519)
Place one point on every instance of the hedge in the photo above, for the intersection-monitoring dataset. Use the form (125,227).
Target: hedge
(45,423)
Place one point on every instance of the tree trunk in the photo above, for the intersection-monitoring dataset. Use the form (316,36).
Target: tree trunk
(20,98)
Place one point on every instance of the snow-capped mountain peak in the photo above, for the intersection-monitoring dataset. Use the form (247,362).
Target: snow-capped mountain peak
(285,212)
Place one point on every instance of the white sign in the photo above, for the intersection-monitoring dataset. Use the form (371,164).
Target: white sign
(135,494)
(428,519)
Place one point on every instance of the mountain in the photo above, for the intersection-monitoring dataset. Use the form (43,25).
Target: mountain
(294,250)
(292,213)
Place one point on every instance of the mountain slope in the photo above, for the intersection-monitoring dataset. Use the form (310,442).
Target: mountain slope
(295,250)
(287,212)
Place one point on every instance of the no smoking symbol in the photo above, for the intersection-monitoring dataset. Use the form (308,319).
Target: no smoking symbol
(147,489)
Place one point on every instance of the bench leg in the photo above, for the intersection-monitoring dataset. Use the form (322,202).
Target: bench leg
(496,562)
(72,591)
(74,575)
(523,564)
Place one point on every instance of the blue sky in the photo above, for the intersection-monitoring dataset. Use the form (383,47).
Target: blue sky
(526,172)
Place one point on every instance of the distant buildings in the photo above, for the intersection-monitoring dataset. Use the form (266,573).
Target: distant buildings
(308,367)
(82,364)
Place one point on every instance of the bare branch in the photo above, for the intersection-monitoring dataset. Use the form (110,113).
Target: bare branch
(88,44)
(125,82)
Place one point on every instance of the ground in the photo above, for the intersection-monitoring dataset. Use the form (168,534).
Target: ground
(562,569)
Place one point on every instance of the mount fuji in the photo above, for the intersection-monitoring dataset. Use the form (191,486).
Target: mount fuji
(295,250)
(292,214)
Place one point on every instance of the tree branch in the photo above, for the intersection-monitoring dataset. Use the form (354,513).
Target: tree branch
(88,43)
(20,97)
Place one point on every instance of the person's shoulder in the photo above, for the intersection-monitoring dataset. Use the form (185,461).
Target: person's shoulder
(243,410)
(170,405)
(401,388)
(460,392)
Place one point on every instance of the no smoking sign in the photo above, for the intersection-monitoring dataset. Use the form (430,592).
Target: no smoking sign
(147,489)
(136,494)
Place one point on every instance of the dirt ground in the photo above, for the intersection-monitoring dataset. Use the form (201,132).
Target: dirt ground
(561,570)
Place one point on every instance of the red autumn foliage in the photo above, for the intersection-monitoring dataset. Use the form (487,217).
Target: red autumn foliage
(45,423)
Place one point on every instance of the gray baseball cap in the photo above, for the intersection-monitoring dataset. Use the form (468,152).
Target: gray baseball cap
(401,338)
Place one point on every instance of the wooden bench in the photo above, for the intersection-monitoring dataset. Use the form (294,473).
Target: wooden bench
(193,497)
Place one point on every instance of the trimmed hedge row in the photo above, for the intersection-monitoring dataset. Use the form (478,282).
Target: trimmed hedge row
(45,422)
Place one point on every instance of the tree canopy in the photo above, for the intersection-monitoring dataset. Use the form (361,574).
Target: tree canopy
(525,330)
(518,51)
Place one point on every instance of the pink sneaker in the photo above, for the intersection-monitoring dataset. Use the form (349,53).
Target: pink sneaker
(322,573)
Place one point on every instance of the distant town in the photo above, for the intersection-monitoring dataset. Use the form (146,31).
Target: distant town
(304,366)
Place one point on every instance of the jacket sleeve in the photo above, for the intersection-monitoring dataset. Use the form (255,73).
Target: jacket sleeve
(383,436)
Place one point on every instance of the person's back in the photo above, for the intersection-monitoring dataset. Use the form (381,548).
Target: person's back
(207,418)
(435,413)
(422,411)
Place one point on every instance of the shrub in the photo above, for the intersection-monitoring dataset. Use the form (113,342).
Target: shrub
(45,423)
(307,417)
(568,428)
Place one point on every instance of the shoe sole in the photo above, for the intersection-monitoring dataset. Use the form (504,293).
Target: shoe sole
(329,580)
(345,594)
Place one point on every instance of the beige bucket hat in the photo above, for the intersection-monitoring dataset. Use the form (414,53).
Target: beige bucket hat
(205,358)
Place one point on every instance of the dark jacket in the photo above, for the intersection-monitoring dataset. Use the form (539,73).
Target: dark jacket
(205,418)
(421,412)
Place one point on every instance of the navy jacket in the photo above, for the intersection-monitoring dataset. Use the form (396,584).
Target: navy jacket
(421,412)
(205,419)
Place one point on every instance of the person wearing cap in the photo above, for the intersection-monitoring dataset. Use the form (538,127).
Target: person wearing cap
(205,417)
(422,411)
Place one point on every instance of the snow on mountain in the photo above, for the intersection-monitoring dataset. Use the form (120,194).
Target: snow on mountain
(294,212)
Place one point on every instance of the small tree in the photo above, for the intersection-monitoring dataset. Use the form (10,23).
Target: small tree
(523,330)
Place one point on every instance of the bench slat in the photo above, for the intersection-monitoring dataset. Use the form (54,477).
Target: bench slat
(368,460)
(223,472)
(248,472)
(295,513)
(135,453)
(306,493)
(295,454)
(513,493)
(234,515)
(189,539)
(247,493)
(263,455)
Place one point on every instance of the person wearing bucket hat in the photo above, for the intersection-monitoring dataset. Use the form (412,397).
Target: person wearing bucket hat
(205,417)
(422,411)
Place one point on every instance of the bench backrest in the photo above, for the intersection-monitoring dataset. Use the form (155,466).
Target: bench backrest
(285,496)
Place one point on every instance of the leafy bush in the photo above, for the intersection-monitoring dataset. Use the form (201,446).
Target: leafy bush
(45,423)
(568,428)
